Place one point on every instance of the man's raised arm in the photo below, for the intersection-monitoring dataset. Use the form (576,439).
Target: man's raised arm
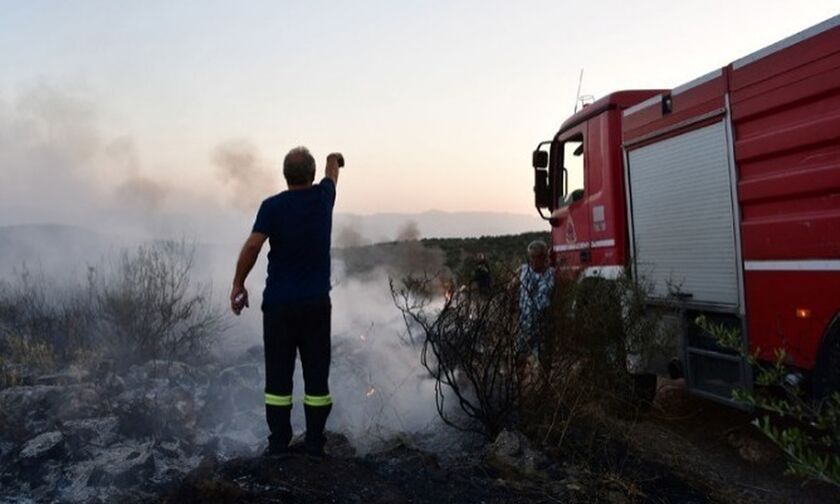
(247,258)
(334,162)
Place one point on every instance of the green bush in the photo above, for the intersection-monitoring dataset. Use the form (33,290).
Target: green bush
(807,430)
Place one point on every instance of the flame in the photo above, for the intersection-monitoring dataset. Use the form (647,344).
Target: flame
(370,392)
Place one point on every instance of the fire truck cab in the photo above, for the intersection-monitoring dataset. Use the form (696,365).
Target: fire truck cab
(724,195)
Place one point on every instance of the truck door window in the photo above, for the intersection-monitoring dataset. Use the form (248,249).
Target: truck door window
(573,154)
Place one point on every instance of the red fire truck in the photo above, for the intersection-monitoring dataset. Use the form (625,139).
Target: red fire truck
(724,194)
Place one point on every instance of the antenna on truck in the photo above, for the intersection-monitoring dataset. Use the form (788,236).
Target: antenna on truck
(582,100)
(580,83)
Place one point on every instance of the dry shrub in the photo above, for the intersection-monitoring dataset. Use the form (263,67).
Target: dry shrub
(149,309)
(37,312)
(141,307)
(469,348)
(472,346)
(593,328)
(19,356)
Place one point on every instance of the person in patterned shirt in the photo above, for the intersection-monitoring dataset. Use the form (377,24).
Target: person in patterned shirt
(536,283)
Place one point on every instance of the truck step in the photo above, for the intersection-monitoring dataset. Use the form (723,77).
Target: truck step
(716,374)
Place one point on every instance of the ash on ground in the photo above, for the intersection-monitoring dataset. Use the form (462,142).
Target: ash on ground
(83,436)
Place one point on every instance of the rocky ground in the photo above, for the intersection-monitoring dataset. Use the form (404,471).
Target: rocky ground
(169,432)
(80,436)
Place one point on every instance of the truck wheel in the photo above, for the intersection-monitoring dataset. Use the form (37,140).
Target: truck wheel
(827,372)
(644,389)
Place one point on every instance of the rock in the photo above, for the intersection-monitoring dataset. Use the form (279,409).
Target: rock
(225,447)
(170,372)
(245,375)
(85,436)
(72,485)
(31,410)
(6,448)
(21,407)
(46,445)
(756,451)
(112,384)
(70,376)
(123,465)
(512,456)
(77,402)
(508,444)
(161,412)
(235,389)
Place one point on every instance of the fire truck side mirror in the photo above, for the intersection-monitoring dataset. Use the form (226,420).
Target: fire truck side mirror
(542,192)
(539,159)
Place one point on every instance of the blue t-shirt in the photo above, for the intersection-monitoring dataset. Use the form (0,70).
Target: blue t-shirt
(298,224)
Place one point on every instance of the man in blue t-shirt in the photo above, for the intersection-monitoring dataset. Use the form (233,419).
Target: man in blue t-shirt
(296,300)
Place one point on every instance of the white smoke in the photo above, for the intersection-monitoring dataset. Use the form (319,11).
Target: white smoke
(379,387)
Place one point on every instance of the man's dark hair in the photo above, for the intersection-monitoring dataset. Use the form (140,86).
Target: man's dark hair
(299,166)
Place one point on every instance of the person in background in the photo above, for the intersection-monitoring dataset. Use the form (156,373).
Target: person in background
(296,301)
(536,283)
(482,276)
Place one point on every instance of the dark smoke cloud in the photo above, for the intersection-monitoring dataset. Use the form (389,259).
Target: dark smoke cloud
(142,193)
(59,164)
(409,231)
(240,167)
(349,234)
(48,148)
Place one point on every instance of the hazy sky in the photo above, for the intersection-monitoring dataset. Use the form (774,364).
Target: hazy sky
(435,104)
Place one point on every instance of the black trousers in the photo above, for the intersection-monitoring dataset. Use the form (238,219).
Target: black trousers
(287,329)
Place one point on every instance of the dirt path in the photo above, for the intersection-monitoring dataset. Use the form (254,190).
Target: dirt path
(716,448)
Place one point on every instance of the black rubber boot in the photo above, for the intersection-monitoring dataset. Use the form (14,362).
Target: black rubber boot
(280,425)
(276,452)
(316,420)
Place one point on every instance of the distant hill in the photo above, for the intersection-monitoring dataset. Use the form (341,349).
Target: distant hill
(355,230)
(58,249)
(219,227)
(454,256)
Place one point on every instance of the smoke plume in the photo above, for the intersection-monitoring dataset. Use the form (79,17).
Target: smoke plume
(409,231)
(239,166)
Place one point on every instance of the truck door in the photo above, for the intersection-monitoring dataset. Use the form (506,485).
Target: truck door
(571,217)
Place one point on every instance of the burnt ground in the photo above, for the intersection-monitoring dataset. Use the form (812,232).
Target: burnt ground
(409,477)
(715,448)
(403,474)
(688,450)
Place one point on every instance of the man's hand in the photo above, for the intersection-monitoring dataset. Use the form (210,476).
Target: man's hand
(247,258)
(334,162)
(238,299)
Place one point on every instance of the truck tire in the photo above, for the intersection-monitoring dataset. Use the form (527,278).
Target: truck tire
(827,371)
(644,389)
